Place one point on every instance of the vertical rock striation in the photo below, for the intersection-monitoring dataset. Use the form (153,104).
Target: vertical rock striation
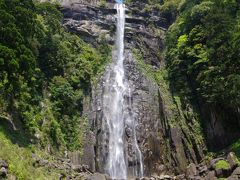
(167,132)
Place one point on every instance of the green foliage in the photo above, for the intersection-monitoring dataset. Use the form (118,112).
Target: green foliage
(45,73)
(16,56)
(203,53)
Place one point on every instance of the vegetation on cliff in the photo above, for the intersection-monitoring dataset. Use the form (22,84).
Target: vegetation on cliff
(44,74)
(203,57)
(202,61)
(203,52)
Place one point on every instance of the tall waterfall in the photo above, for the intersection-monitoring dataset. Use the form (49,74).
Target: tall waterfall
(117,110)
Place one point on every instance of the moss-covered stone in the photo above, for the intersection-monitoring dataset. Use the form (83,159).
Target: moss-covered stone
(222,164)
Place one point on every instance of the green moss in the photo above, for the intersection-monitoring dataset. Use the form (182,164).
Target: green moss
(222,164)
(103,3)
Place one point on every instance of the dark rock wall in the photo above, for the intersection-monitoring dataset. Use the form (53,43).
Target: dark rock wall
(221,126)
(167,130)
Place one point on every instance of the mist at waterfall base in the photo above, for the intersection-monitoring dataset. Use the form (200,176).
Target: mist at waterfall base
(118,110)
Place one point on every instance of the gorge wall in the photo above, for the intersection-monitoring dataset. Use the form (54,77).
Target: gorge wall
(65,93)
(169,137)
(168,132)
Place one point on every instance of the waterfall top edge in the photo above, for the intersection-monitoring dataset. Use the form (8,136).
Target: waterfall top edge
(120,6)
(119,1)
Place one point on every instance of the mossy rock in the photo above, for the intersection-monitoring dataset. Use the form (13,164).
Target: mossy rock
(222,164)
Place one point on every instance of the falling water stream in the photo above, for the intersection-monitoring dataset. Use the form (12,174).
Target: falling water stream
(117,109)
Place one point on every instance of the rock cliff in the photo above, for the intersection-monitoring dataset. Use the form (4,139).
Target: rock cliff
(168,132)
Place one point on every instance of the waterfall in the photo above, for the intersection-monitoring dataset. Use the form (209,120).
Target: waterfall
(117,109)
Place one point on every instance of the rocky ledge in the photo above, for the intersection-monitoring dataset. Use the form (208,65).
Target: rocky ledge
(94,24)
(227,167)
(65,168)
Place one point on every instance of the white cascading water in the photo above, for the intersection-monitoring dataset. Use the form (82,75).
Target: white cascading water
(117,110)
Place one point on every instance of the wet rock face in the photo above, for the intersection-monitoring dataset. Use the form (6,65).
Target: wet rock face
(165,147)
(146,109)
(146,113)
(94,23)
(89,22)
